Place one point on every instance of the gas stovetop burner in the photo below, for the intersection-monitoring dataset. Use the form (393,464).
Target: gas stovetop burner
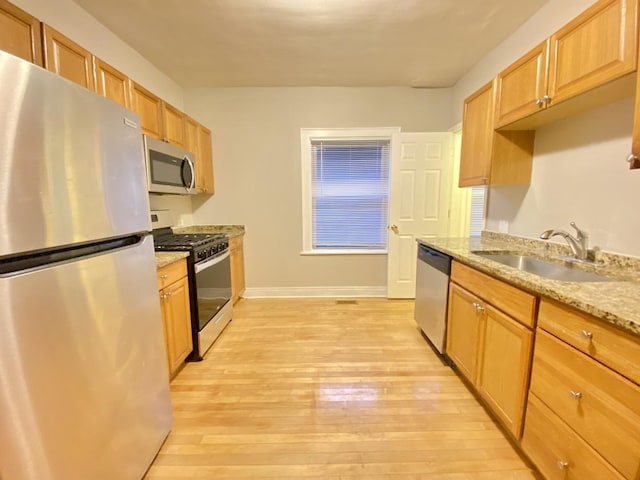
(202,244)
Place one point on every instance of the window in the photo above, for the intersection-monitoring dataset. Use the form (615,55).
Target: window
(345,190)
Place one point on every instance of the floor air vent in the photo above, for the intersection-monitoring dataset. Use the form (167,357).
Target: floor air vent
(346,302)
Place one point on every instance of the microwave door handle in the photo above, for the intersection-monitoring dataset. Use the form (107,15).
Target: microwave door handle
(192,181)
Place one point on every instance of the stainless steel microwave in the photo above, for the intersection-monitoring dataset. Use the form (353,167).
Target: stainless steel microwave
(170,169)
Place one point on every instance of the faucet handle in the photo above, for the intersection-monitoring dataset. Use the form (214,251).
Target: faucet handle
(582,234)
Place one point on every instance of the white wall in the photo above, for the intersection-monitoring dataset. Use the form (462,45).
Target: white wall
(74,22)
(256,139)
(579,172)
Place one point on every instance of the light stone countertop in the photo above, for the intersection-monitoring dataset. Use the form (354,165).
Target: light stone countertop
(230,230)
(617,302)
(166,258)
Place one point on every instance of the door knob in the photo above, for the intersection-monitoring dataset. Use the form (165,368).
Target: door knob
(394,228)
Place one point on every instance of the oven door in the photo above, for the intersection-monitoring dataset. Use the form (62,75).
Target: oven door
(213,284)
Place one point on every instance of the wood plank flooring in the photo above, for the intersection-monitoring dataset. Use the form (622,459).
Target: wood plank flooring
(311,389)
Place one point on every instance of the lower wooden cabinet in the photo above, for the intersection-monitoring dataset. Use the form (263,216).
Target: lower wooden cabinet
(463,330)
(236,251)
(490,348)
(176,317)
(596,403)
(557,451)
(503,367)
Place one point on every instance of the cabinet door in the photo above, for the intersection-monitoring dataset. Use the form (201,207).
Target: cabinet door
(503,367)
(66,58)
(557,451)
(237,268)
(596,47)
(204,162)
(20,33)
(149,108)
(477,138)
(596,402)
(191,137)
(463,328)
(177,323)
(112,83)
(174,125)
(522,87)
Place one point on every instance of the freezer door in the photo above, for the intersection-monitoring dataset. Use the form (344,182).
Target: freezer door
(84,391)
(71,163)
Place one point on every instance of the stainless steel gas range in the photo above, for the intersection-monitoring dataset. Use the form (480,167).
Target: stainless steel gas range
(209,275)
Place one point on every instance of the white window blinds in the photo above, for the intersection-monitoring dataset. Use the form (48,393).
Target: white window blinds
(477,210)
(350,194)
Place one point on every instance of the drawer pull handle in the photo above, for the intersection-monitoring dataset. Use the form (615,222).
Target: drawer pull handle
(575,395)
(478,307)
(164,276)
(563,465)
(586,334)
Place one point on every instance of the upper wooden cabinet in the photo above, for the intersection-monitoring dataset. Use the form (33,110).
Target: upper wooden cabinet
(174,125)
(66,58)
(487,156)
(521,89)
(149,107)
(112,83)
(191,135)
(20,33)
(204,162)
(595,48)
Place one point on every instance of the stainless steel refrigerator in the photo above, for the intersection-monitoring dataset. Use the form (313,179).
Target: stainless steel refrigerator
(84,392)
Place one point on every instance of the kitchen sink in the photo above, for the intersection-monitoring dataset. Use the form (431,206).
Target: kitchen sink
(564,272)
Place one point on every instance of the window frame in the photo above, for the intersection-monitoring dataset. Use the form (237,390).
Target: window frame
(307,136)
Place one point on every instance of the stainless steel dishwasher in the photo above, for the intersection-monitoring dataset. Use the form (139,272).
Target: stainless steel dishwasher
(432,289)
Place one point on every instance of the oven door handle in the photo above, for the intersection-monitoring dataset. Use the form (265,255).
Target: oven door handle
(211,262)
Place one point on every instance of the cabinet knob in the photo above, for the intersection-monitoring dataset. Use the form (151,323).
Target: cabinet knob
(586,334)
(563,465)
(539,103)
(632,160)
(478,307)
(546,99)
(169,294)
(164,276)
(575,395)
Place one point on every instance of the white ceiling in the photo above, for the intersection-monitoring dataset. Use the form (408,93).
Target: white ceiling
(217,43)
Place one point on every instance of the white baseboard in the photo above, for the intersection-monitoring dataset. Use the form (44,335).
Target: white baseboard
(305,292)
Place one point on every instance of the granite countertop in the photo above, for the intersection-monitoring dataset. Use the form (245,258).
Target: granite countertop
(230,230)
(165,258)
(617,302)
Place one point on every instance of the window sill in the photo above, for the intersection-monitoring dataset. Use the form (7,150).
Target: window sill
(343,252)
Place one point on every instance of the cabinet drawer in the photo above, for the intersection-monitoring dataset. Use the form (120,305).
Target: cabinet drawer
(597,403)
(511,300)
(557,451)
(615,348)
(171,273)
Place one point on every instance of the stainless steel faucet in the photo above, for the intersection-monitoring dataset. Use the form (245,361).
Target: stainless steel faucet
(579,244)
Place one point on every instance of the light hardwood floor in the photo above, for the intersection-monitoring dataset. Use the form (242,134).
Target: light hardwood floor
(311,389)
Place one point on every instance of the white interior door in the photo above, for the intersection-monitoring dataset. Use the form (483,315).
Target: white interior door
(421,179)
